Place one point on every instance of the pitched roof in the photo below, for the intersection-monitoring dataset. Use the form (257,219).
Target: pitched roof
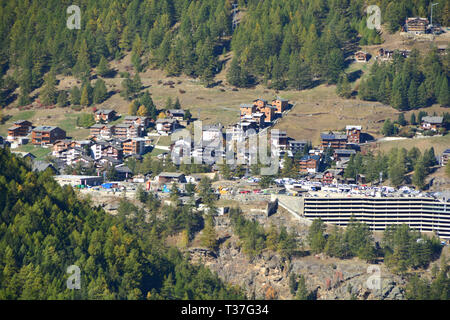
(21,121)
(45,128)
(176,111)
(433,120)
(327,136)
(104,111)
(345,151)
(306,158)
(170,174)
(40,166)
(123,169)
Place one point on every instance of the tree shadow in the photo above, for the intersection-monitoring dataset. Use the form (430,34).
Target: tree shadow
(365,137)
(355,75)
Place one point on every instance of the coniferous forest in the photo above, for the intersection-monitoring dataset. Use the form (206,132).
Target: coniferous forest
(283,44)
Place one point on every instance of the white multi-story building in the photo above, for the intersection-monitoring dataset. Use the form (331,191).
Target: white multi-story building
(425,214)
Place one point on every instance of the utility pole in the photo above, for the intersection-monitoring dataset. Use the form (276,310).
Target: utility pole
(432,5)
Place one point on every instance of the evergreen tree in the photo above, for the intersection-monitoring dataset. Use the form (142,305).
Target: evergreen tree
(49,94)
(316,237)
(62,99)
(169,104)
(84,101)
(413,95)
(136,83)
(177,104)
(401,120)
(419,175)
(444,95)
(128,89)
(75,96)
(388,128)
(82,67)
(335,65)
(302,291)
(343,88)
(103,69)
(100,92)
(412,120)
(209,235)
(299,74)
(422,98)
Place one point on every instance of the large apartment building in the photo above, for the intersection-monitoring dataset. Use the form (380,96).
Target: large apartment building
(420,213)
(332,140)
(47,135)
(128,131)
(21,128)
(133,146)
(416,25)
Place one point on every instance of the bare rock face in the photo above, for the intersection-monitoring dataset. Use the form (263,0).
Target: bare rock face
(267,275)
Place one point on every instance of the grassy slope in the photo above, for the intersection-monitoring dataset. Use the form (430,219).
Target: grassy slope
(316,110)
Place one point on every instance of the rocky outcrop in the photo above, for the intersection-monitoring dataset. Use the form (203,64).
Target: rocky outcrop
(267,276)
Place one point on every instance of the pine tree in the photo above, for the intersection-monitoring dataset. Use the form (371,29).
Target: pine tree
(401,119)
(48,94)
(169,104)
(84,101)
(100,92)
(62,99)
(103,68)
(344,88)
(177,104)
(136,53)
(299,75)
(422,99)
(82,67)
(418,178)
(444,94)
(388,128)
(234,74)
(209,235)
(316,237)
(412,120)
(397,171)
(137,83)
(398,97)
(293,283)
(302,291)
(412,95)
(335,65)
(75,96)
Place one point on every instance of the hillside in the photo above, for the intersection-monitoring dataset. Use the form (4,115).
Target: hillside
(44,229)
